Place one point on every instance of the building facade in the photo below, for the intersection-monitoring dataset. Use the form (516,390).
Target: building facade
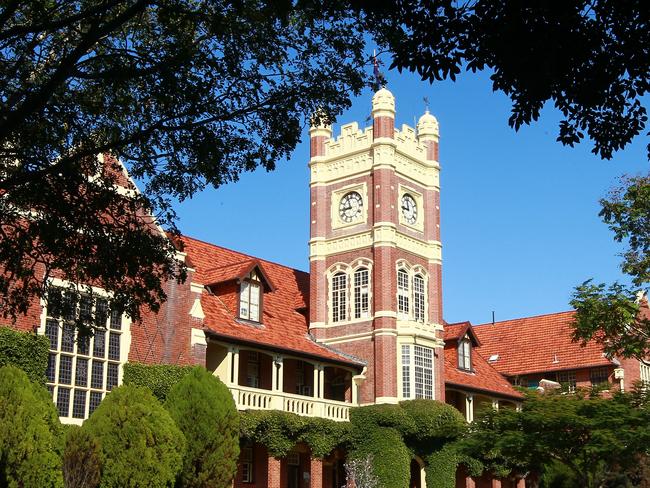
(364,326)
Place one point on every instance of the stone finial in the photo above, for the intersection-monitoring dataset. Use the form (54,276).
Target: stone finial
(428,127)
(383,104)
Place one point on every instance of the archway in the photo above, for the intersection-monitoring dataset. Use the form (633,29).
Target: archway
(417,474)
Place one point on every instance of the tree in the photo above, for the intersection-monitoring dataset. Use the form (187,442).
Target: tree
(141,446)
(30,451)
(204,410)
(186,93)
(596,439)
(360,474)
(81,459)
(589,58)
(613,315)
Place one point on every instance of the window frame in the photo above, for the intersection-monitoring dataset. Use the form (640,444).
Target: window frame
(82,352)
(465,356)
(339,292)
(252,280)
(247,462)
(403,294)
(597,373)
(420,377)
(419,298)
(359,294)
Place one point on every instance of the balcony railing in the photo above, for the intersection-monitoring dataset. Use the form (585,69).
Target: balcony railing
(247,398)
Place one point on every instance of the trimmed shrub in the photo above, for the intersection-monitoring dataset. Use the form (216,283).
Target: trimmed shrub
(204,410)
(81,459)
(141,446)
(28,352)
(30,447)
(159,378)
(441,468)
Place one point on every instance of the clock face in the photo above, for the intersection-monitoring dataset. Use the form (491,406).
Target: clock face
(350,207)
(409,209)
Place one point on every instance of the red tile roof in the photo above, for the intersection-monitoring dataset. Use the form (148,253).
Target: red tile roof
(458,330)
(219,274)
(537,344)
(282,327)
(483,378)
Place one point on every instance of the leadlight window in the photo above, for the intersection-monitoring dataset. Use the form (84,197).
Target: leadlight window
(79,371)
(361,293)
(423,358)
(402,293)
(465,354)
(417,372)
(599,376)
(568,380)
(406,371)
(250,298)
(418,298)
(339,290)
(644,373)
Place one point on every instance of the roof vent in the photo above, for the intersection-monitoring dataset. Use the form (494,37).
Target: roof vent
(555,359)
(493,358)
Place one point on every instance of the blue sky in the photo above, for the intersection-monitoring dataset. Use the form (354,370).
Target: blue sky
(519,211)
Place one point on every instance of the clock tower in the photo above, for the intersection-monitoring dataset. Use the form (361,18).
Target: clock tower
(375,251)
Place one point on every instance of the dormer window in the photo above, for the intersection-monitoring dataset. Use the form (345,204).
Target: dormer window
(465,354)
(250,298)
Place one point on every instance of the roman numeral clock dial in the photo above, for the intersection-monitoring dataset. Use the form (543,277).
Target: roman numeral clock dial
(350,207)
(409,209)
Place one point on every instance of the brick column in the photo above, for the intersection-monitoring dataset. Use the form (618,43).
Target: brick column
(521,483)
(274,471)
(496,483)
(470,483)
(316,473)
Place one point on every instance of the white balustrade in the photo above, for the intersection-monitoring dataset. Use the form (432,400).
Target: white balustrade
(247,398)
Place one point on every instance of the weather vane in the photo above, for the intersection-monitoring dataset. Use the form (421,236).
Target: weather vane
(380,81)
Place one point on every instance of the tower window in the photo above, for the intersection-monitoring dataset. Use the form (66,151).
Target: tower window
(339,290)
(417,372)
(423,358)
(418,298)
(250,298)
(361,293)
(464,354)
(402,293)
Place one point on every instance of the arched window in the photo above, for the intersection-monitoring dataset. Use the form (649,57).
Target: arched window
(339,291)
(361,293)
(402,293)
(418,298)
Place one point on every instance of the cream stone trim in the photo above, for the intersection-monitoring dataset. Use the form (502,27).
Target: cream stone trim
(359,336)
(196,287)
(381,235)
(317,325)
(325,171)
(383,153)
(391,314)
(197,310)
(320,247)
(198,338)
(337,195)
(351,139)
(418,225)
(387,399)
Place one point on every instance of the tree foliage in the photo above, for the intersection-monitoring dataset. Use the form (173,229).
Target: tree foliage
(141,446)
(596,439)
(186,93)
(590,59)
(30,447)
(613,315)
(204,410)
(81,459)
(159,378)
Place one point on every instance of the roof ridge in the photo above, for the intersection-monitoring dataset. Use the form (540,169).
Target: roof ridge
(249,256)
(524,318)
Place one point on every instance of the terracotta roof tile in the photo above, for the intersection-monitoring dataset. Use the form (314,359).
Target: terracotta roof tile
(283,327)
(537,344)
(483,377)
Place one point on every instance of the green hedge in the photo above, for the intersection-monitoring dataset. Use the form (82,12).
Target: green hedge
(30,433)
(281,431)
(26,351)
(159,378)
